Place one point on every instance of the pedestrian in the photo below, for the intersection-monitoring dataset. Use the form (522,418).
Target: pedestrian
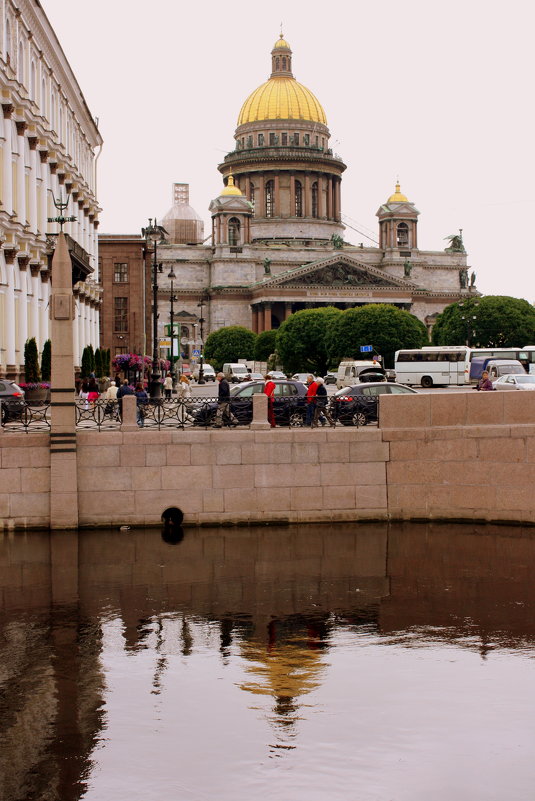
(142,400)
(124,389)
(321,404)
(269,390)
(311,399)
(224,412)
(92,390)
(84,392)
(485,384)
(183,389)
(168,386)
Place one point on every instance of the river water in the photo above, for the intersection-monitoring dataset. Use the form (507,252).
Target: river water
(366,662)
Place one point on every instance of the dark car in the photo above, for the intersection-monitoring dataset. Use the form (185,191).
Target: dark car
(289,403)
(12,400)
(357,406)
(330,378)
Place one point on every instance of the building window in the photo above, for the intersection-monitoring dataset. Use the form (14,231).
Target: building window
(315,199)
(233,231)
(21,63)
(272,139)
(284,139)
(284,62)
(8,41)
(120,315)
(249,141)
(298,199)
(306,140)
(260,140)
(120,273)
(119,350)
(251,196)
(296,139)
(317,141)
(270,190)
(403,235)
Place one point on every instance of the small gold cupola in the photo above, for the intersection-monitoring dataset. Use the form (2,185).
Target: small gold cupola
(231,188)
(398,197)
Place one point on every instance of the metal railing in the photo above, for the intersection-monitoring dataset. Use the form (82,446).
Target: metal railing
(25,417)
(99,414)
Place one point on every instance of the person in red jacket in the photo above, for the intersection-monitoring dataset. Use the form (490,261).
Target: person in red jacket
(312,388)
(269,390)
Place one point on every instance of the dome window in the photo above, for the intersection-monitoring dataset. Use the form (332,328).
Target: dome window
(270,197)
(284,139)
(250,141)
(260,140)
(298,199)
(296,139)
(306,140)
(273,139)
(233,231)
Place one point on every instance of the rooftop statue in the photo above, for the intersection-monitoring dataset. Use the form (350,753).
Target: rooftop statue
(456,243)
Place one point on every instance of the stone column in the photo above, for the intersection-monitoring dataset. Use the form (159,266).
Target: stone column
(276,198)
(260,412)
(10,311)
(34,303)
(267,316)
(63,467)
(23,305)
(43,156)
(254,317)
(32,140)
(287,310)
(260,202)
(321,197)
(7,195)
(292,195)
(76,328)
(21,173)
(307,197)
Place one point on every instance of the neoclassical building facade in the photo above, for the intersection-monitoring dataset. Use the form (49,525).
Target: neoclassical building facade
(278,242)
(49,143)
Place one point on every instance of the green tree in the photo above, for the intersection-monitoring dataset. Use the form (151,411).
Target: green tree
(87,362)
(265,345)
(46,361)
(490,321)
(99,372)
(91,358)
(381,325)
(31,362)
(302,340)
(228,345)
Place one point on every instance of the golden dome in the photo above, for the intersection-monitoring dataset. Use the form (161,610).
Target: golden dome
(230,188)
(282,98)
(397,197)
(281,43)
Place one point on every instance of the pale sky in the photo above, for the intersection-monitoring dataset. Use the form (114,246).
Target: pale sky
(440,95)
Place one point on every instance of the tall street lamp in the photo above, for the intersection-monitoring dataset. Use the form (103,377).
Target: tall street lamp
(172,277)
(154,234)
(201,360)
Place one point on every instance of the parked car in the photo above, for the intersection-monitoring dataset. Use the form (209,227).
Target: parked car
(256,377)
(235,372)
(366,370)
(511,381)
(289,403)
(208,373)
(12,400)
(277,375)
(330,378)
(300,377)
(358,405)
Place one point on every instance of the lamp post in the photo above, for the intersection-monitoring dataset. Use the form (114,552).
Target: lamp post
(172,277)
(201,360)
(153,235)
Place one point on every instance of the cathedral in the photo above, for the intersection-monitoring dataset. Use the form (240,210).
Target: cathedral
(278,243)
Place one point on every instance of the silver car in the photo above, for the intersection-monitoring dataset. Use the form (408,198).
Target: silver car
(513,381)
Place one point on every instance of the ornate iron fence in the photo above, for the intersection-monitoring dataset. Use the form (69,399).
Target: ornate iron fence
(100,414)
(25,417)
(178,413)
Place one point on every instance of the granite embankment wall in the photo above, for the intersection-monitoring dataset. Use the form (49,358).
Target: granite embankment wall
(437,455)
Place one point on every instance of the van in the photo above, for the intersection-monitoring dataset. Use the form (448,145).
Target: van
(499,367)
(351,372)
(207,371)
(235,372)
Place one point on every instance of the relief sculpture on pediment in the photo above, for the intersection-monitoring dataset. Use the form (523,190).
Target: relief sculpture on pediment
(340,275)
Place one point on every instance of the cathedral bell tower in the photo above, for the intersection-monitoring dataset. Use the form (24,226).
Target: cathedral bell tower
(398,224)
(231,215)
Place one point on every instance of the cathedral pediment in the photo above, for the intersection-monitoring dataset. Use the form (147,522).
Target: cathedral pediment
(338,272)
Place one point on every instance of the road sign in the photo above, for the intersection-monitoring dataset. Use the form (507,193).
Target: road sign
(366,348)
(196,352)
(165,342)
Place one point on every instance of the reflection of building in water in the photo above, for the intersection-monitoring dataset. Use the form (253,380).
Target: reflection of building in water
(286,665)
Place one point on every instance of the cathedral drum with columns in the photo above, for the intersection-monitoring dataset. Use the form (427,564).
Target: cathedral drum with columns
(277,243)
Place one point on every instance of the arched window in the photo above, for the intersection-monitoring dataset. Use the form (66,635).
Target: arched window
(403,235)
(8,41)
(277,63)
(298,199)
(315,199)
(284,62)
(270,192)
(33,84)
(233,231)
(43,97)
(20,65)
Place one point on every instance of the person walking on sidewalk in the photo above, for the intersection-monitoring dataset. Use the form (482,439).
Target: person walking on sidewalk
(321,404)
(224,412)
(311,399)
(269,390)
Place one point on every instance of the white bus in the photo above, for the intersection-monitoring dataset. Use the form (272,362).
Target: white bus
(433,366)
(447,366)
